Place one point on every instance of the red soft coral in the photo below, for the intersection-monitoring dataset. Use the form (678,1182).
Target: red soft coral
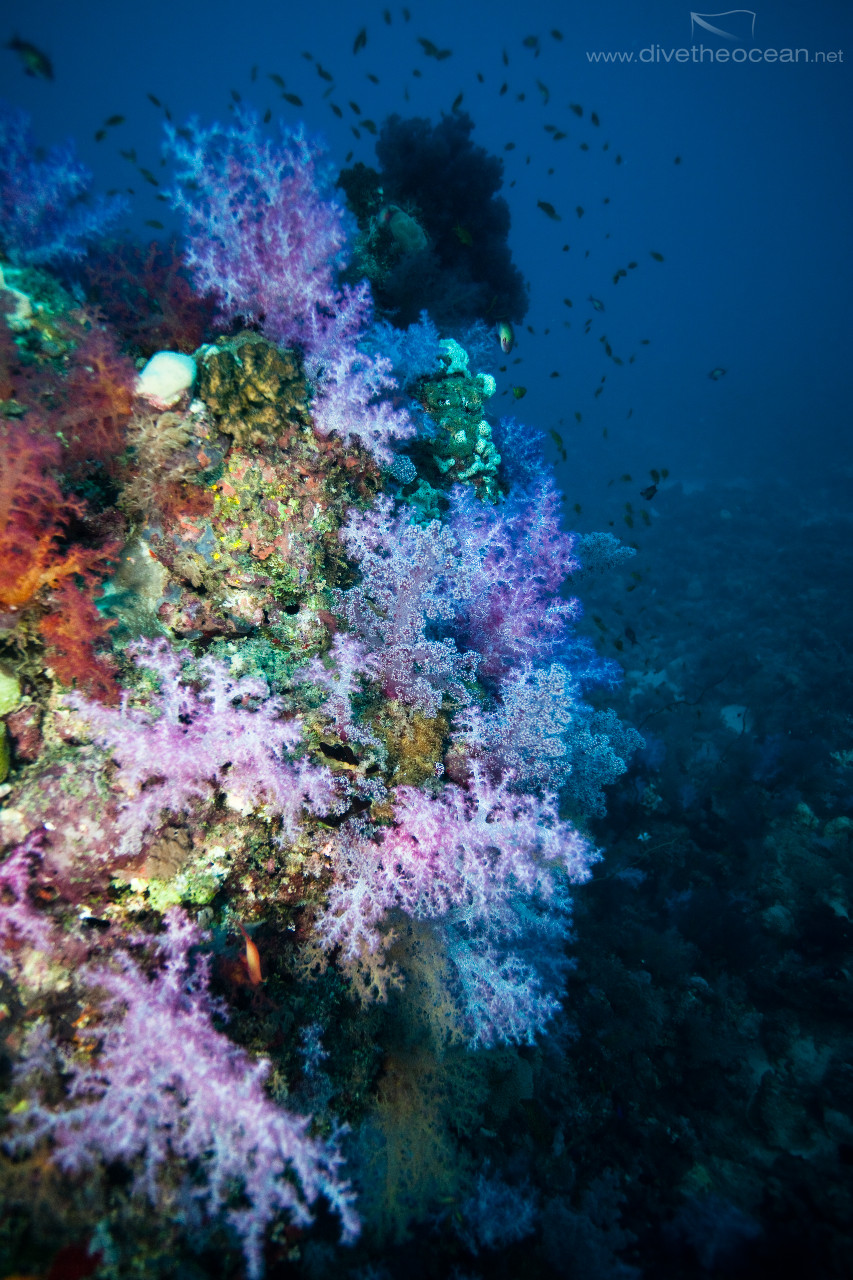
(146,294)
(34,516)
(73,630)
(98,397)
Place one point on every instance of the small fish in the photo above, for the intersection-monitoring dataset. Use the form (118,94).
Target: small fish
(253,75)
(618,160)
(503,89)
(235,96)
(293,99)
(353,106)
(597,392)
(481,77)
(519,392)
(577,108)
(593,116)
(36,63)
(558,35)
(457,102)
(309,57)
(629,413)
(253,959)
(368,125)
(407,16)
(578,416)
(658,257)
(548,209)
(543,89)
(531,42)
(506,337)
(649,492)
(100,135)
(716,374)
(156,101)
(361,39)
(510,146)
(276,79)
(148,176)
(386,14)
(578,509)
(630,634)
(432,50)
(268,115)
(655,475)
(505,58)
(567,302)
(337,110)
(462,234)
(112,121)
(602,626)
(152,222)
(677,160)
(131,154)
(324,74)
(596,302)
(558,135)
(356,132)
(579,210)
(372,78)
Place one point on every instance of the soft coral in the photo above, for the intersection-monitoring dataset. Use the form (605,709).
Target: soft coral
(34,516)
(73,630)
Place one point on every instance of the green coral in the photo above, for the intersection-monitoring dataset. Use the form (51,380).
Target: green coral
(463,449)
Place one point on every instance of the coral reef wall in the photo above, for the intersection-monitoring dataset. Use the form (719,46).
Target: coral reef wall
(298,758)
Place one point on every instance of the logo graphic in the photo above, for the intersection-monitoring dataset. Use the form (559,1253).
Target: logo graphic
(744,24)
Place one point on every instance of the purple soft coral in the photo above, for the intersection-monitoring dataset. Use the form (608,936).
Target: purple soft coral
(412,578)
(265,234)
(266,239)
(519,560)
(165,1086)
(171,760)
(46,213)
(490,868)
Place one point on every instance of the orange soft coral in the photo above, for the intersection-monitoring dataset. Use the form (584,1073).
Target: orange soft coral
(34,515)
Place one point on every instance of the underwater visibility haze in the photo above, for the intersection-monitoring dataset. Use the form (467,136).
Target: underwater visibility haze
(426,742)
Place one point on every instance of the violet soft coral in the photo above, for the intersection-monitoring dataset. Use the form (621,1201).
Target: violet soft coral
(520,558)
(491,868)
(266,238)
(265,234)
(413,579)
(173,755)
(164,1087)
(46,211)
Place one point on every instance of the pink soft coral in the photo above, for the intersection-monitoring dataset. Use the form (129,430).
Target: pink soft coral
(165,1089)
(175,754)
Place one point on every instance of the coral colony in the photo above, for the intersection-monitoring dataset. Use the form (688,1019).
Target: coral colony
(296,756)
